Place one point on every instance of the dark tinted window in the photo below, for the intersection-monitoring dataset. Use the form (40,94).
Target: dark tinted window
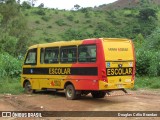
(87,53)
(68,54)
(51,55)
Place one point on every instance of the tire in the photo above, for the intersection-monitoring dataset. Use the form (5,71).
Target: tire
(98,94)
(28,88)
(70,92)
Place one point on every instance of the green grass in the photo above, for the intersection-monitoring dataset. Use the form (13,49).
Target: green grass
(147,82)
(10,86)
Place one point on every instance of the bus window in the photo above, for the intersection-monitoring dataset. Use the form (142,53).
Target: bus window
(87,53)
(51,55)
(68,54)
(31,58)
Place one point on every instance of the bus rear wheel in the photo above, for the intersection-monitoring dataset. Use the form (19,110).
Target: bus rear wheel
(70,92)
(98,94)
(28,88)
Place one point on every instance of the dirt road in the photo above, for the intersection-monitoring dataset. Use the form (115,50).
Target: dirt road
(141,100)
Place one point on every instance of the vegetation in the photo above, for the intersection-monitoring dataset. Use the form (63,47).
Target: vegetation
(10,85)
(147,82)
(24,25)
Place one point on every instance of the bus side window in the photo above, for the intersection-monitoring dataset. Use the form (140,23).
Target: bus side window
(87,53)
(31,58)
(68,54)
(51,55)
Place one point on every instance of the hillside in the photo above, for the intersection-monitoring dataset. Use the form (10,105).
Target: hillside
(121,4)
(50,25)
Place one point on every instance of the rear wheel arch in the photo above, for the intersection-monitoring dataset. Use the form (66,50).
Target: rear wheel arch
(25,81)
(68,83)
(28,87)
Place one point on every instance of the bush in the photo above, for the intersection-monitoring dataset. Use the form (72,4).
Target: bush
(146,13)
(88,21)
(70,18)
(142,62)
(148,56)
(60,22)
(49,40)
(153,40)
(37,22)
(40,12)
(71,34)
(90,26)
(9,66)
(102,26)
(87,15)
(154,69)
(152,44)
(56,12)
(45,18)
(85,10)
(77,21)
(49,26)
(41,5)
(26,5)
(26,14)
(10,42)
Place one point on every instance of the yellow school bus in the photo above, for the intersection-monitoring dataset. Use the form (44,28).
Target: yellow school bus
(97,66)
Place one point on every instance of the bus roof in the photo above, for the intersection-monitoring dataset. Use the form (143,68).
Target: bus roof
(72,42)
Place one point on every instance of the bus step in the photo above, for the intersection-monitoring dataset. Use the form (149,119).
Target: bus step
(51,89)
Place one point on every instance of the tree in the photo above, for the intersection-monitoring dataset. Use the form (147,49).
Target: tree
(9,10)
(26,5)
(41,5)
(5,1)
(146,13)
(77,7)
(14,31)
(18,1)
(2,1)
(138,41)
(32,2)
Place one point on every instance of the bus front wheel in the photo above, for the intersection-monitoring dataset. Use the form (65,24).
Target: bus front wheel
(98,94)
(70,92)
(28,88)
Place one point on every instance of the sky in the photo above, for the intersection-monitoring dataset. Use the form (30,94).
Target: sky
(69,4)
